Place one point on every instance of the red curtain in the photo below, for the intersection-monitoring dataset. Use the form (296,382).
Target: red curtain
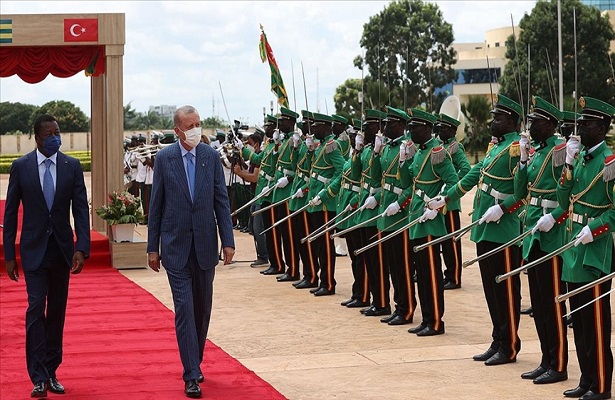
(33,64)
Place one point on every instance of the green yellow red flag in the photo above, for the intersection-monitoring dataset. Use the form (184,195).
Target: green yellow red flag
(277,84)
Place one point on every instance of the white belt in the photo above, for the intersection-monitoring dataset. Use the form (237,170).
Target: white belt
(303,176)
(348,186)
(544,203)
(267,177)
(321,178)
(287,172)
(391,188)
(581,219)
(422,195)
(371,189)
(494,193)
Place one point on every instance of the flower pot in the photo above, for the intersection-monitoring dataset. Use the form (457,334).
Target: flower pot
(123,232)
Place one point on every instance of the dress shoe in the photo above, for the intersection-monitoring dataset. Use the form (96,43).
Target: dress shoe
(357,303)
(259,262)
(192,389)
(551,376)
(500,358)
(272,271)
(287,278)
(399,320)
(429,331)
(324,292)
(315,289)
(40,390)
(377,312)
(200,378)
(305,285)
(485,356)
(576,392)
(303,280)
(55,386)
(526,311)
(534,374)
(417,328)
(386,319)
(346,302)
(596,396)
(364,310)
(451,286)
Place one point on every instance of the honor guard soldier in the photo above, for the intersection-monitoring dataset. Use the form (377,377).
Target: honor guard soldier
(396,251)
(267,159)
(362,161)
(305,152)
(430,173)
(586,191)
(285,173)
(567,123)
(540,168)
(446,128)
(340,128)
(328,162)
(495,209)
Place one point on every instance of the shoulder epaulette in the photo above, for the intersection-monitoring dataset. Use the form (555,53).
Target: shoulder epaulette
(453,148)
(410,150)
(438,154)
(609,168)
(492,143)
(559,155)
(515,149)
(343,136)
(330,146)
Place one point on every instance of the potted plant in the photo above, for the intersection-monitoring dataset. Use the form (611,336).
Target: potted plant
(122,212)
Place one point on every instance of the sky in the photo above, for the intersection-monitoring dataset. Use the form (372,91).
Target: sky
(179,53)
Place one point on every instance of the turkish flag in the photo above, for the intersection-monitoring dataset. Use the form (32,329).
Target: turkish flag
(81,30)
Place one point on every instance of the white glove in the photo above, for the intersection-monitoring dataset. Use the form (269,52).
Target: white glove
(316,201)
(378,143)
(392,209)
(544,224)
(309,141)
(282,136)
(263,191)
(298,194)
(239,144)
(282,182)
(436,203)
(493,214)
(276,135)
(296,139)
(370,203)
(358,142)
(402,151)
(428,215)
(573,146)
(584,237)
(524,146)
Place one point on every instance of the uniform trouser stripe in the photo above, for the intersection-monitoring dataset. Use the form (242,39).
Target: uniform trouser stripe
(396,251)
(451,250)
(291,256)
(360,286)
(312,263)
(330,256)
(430,285)
(408,272)
(600,364)
(381,271)
(436,286)
(511,304)
(275,237)
(376,273)
(562,353)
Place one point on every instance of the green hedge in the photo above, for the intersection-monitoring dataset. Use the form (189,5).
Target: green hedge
(84,158)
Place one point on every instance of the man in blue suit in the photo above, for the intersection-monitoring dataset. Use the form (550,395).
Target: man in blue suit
(188,199)
(48,183)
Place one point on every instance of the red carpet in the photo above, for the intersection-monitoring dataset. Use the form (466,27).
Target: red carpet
(119,343)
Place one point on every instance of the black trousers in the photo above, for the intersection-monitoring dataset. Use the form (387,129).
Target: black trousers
(592,337)
(430,283)
(451,250)
(47,288)
(274,239)
(324,250)
(360,286)
(377,272)
(503,299)
(302,228)
(545,282)
(397,253)
(287,233)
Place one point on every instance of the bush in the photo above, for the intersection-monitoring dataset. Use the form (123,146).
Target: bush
(84,158)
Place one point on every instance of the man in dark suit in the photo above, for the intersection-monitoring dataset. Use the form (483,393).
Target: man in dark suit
(49,184)
(189,198)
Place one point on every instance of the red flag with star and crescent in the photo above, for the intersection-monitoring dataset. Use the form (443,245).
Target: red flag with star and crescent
(81,30)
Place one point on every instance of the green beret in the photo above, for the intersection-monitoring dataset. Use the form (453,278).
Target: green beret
(169,135)
(307,115)
(340,119)
(504,105)
(356,123)
(285,113)
(270,119)
(374,115)
(323,118)
(542,109)
(420,117)
(570,116)
(448,120)
(394,114)
(596,109)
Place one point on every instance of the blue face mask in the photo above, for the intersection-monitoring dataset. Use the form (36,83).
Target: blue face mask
(51,144)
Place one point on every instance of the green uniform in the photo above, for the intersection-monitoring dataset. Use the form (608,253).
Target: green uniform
(286,165)
(461,164)
(301,179)
(344,144)
(328,162)
(386,174)
(267,160)
(361,170)
(347,193)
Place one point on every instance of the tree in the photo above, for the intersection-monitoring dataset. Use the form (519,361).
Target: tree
(214,122)
(70,117)
(346,98)
(539,30)
(407,51)
(131,118)
(16,117)
(477,114)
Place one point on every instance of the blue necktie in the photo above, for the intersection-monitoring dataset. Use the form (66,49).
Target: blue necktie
(48,189)
(190,169)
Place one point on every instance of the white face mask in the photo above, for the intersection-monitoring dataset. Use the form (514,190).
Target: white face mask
(193,136)
(251,148)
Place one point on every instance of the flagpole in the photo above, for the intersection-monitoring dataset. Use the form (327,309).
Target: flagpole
(559,49)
